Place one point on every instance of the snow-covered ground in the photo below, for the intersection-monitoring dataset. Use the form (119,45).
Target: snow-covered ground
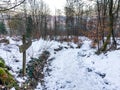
(70,68)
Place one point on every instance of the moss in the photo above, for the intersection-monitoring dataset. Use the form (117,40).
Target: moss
(1,59)
(10,82)
(2,63)
(2,71)
(7,72)
(5,77)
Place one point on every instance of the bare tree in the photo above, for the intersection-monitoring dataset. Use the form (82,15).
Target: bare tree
(113,9)
(69,12)
(40,12)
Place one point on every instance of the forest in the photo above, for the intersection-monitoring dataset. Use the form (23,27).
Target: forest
(40,46)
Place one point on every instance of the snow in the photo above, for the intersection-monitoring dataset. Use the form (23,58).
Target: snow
(69,72)
(70,68)
(12,88)
(39,87)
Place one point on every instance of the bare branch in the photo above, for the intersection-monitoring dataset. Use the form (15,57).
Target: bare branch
(13,6)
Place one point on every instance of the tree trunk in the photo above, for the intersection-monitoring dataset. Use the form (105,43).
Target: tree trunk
(111,33)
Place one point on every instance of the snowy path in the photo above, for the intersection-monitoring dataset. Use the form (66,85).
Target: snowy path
(70,73)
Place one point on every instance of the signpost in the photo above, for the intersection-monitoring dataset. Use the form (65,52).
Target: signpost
(23,49)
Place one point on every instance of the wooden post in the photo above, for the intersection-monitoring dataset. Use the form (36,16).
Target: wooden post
(24,56)
(22,49)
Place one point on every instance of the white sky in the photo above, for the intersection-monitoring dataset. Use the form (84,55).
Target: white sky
(55,4)
(59,4)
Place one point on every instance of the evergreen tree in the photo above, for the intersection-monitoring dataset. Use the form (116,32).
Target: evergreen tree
(2,28)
